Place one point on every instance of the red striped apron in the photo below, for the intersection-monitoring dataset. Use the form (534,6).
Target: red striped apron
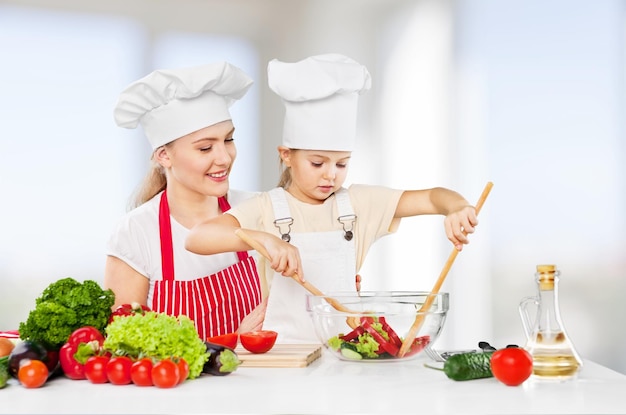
(216,303)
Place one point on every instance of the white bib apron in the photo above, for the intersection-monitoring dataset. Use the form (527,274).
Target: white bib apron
(329,262)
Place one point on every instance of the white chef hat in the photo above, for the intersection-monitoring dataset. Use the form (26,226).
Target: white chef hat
(320,94)
(172,103)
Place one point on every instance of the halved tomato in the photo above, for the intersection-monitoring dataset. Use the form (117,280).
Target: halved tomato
(259,341)
(228,340)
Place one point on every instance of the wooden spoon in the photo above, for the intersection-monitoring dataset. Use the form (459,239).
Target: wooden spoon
(419,319)
(353,322)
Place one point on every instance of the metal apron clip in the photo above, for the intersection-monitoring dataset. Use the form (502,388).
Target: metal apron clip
(347,222)
(280,224)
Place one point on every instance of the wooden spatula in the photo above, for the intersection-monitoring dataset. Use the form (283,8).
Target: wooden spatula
(353,322)
(419,319)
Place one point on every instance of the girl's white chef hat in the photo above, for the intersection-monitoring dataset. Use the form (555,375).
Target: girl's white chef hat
(172,103)
(320,94)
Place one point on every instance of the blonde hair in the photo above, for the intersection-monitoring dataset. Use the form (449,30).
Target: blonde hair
(153,183)
(285,172)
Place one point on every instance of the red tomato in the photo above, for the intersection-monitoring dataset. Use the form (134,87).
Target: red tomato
(228,340)
(32,373)
(259,341)
(183,369)
(141,372)
(96,369)
(129,310)
(165,374)
(118,370)
(511,366)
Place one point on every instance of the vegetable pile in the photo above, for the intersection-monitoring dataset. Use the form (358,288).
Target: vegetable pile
(373,339)
(72,331)
(63,307)
(159,336)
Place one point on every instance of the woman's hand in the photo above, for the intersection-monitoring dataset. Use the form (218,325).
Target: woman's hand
(459,224)
(254,320)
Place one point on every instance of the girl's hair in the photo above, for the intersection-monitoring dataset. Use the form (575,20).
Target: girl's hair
(153,183)
(285,173)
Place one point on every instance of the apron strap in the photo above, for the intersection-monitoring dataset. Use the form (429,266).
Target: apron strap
(282,215)
(347,218)
(165,232)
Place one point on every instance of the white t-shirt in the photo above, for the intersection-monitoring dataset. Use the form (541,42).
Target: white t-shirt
(374,207)
(136,241)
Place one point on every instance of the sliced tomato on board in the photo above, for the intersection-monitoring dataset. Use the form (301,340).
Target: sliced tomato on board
(228,340)
(259,341)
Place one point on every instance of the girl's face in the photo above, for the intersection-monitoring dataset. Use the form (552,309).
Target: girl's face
(315,175)
(201,161)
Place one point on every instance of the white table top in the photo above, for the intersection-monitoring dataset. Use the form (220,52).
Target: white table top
(329,386)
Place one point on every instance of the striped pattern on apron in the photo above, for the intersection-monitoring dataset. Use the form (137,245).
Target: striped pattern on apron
(216,303)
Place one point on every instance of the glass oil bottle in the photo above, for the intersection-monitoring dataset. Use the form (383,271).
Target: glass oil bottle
(554,356)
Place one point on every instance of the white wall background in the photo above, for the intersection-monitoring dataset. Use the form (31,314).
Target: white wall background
(527,94)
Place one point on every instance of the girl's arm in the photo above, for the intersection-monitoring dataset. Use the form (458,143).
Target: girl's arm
(460,215)
(218,235)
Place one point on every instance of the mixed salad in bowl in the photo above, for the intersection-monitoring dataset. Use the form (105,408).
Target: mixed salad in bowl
(376,324)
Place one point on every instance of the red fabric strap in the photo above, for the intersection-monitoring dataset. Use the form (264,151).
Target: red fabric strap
(165,231)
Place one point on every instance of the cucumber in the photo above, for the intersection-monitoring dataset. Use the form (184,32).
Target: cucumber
(351,354)
(468,366)
(350,346)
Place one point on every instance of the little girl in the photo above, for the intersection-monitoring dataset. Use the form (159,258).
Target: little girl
(310,224)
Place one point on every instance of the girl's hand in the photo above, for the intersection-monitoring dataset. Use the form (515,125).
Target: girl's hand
(284,257)
(460,223)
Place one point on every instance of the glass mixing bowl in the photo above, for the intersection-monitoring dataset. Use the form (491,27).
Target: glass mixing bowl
(376,323)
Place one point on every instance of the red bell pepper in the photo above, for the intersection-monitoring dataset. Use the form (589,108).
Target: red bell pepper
(354,334)
(388,347)
(82,343)
(393,336)
(129,310)
(418,344)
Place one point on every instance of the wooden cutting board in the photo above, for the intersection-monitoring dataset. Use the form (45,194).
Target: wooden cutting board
(281,355)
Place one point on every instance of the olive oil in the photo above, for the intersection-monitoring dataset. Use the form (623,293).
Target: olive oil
(555,366)
(554,356)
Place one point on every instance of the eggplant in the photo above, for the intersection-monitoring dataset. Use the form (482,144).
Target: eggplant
(222,360)
(26,349)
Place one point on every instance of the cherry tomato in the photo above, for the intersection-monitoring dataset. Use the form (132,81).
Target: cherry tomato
(96,369)
(183,369)
(259,341)
(165,374)
(32,373)
(228,340)
(512,365)
(118,370)
(141,372)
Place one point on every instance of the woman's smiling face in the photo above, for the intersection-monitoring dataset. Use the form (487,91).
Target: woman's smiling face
(202,160)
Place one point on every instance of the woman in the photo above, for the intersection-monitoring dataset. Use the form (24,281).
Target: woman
(185,115)
(310,224)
